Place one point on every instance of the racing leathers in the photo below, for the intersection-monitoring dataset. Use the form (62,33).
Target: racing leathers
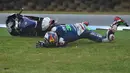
(72,32)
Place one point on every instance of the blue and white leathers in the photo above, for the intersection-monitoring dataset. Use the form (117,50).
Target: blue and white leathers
(72,32)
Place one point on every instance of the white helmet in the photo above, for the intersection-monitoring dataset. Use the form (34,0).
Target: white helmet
(46,23)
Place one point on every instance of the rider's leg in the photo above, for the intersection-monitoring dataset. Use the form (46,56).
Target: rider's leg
(98,37)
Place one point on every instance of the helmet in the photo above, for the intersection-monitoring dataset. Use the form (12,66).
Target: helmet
(46,23)
(51,38)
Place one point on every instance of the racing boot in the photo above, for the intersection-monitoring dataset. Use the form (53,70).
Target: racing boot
(110,34)
(118,21)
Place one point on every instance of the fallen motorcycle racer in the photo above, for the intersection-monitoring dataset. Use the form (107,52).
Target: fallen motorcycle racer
(61,35)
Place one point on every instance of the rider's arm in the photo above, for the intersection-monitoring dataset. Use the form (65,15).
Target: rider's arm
(41,44)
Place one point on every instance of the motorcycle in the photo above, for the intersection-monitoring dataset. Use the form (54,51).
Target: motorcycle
(24,25)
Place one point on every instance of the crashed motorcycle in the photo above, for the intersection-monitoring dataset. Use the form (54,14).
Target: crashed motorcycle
(23,25)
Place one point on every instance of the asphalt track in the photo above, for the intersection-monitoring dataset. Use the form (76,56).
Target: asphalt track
(94,20)
(73,18)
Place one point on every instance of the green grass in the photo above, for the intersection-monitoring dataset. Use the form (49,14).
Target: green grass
(66,12)
(19,55)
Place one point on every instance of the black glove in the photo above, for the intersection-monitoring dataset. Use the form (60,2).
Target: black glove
(40,44)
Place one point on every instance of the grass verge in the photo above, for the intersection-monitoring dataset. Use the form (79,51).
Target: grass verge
(19,55)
